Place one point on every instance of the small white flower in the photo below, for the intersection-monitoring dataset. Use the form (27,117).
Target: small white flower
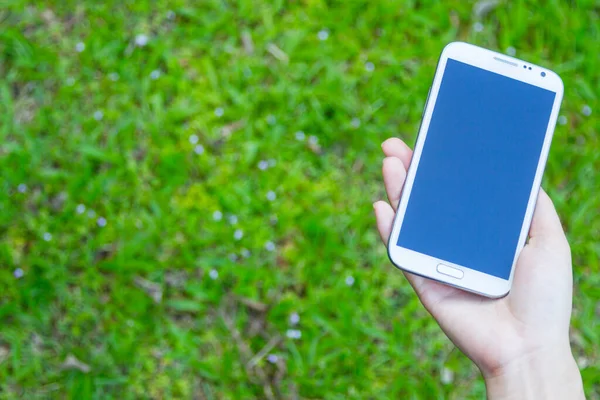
(141,40)
(70,81)
(193,139)
(232,219)
(369,66)
(199,149)
(300,135)
(350,280)
(586,110)
(323,34)
(293,334)
(238,234)
(562,120)
(272,162)
(245,253)
(478,27)
(272,358)
(219,111)
(170,14)
(271,195)
(130,323)
(154,75)
(355,123)
(273,220)
(294,318)
(79,47)
(18,273)
(22,188)
(233,257)
(446,376)
(511,51)
(113,76)
(217,215)
(80,209)
(270,246)
(271,120)
(101,222)
(313,140)
(47,236)
(98,115)
(262,165)
(213,274)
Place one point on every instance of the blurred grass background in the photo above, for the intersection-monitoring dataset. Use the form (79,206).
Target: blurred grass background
(187,188)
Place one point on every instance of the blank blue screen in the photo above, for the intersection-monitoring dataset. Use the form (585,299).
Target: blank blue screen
(476,170)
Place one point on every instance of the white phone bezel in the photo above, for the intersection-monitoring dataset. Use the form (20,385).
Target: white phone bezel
(425,265)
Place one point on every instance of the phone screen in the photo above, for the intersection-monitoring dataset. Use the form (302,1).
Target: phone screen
(477,168)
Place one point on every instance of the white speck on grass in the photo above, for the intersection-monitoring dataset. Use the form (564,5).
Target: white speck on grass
(323,34)
(478,27)
(170,14)
(233,257)
(193,139)
(232,219)
(294,318)
(511,51)
(369,66)
(199,149)
(79,47)
(272,358)
(271,195)
(238,234)
(70,81)
(80,209)
(586,110)
(300,135)
(113,76)
(293,334)
(22,188)
(262,165)
(98,115)
(18,273)
(446,376)
(47,236)
(217,215)
(154,75)
(141,40)
(101,222)
(349,280)
(562,120)
(245,253)
(269,246)
(91,214)
(313,140)
(271,120)
(219,112)
(272,162)
(355,123)
(213,274)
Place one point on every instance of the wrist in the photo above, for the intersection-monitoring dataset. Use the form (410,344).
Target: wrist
(538,375)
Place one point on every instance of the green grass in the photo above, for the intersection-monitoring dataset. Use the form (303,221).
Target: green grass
(87,290)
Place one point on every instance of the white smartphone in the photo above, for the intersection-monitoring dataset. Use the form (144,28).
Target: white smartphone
(478,162)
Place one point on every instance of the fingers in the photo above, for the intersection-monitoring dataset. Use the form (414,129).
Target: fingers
(395,147)
(394,175)
(385,219)
(545,226)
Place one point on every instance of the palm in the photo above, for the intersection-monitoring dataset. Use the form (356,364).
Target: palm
(492,332)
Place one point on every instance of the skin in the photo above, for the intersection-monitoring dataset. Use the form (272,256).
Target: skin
(520,342)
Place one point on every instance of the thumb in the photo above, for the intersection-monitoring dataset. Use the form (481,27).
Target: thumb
(546,228)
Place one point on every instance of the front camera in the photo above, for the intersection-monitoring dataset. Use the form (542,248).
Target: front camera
(543,74)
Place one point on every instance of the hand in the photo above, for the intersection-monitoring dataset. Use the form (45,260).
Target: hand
(520,342)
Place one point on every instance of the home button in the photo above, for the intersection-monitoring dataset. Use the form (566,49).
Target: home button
(450,271)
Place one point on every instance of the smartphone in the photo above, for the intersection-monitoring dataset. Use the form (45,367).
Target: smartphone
(478,162)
